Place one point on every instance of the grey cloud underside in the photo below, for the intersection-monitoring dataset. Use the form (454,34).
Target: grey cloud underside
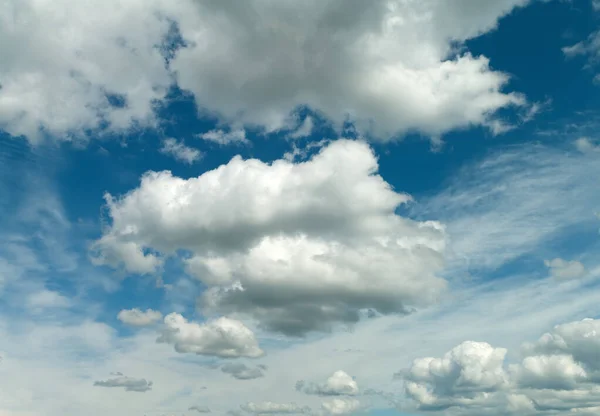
(129,384)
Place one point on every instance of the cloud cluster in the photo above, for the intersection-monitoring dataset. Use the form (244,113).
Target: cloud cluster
(223,337)
(558,374)
(297,246)
(392,66)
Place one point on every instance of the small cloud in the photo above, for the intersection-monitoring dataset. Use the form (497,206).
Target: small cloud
(266,408)
(225,138)
(140,385)
(179,151)
(136,317)
(565,270)
(339,383)
(586,145)
(223,337)
(47,299)
(304,130)
(200,409)
(243,372)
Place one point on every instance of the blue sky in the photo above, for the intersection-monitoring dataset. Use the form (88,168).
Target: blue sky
(395,204)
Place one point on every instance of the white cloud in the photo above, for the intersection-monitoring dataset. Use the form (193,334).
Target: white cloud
(242,371)
(45,299)
(179,151)
(559,373)
(265,408)
(464,374)
(564,270)
(297,246)
(225,138)
(137,317)
(130,384)
(339,383)
(345,60)
(74,60)
(589,48)
(341,406)
(83,70)
(586,145)
(222,337)
(303,130)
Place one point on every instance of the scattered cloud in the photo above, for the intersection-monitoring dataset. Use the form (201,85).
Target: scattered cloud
(304,130)
(586,145)
(225,138)
(589,48)
(266,408)
(242,371)
(223,337)
(200,409)
(137,317)
(341,406)
(339,383)
(271,242)
(179,151)
(46,299)
(129,384)
(565,270)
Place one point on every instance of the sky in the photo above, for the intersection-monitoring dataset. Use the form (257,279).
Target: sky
(299,208)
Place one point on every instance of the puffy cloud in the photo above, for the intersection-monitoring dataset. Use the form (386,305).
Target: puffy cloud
(81,70)
(242,371)
(339,383)
(224,138)
(223,337)
(179,151)
(296,246)
(200,409)
(136,317)
(266,408)
(466,373)
(559,374)
(305,129)
(564,270)
(130,384)
(259,62)
(340,406)
(107,69)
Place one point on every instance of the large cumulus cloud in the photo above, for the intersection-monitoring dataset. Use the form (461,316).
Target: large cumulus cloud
(296,246)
